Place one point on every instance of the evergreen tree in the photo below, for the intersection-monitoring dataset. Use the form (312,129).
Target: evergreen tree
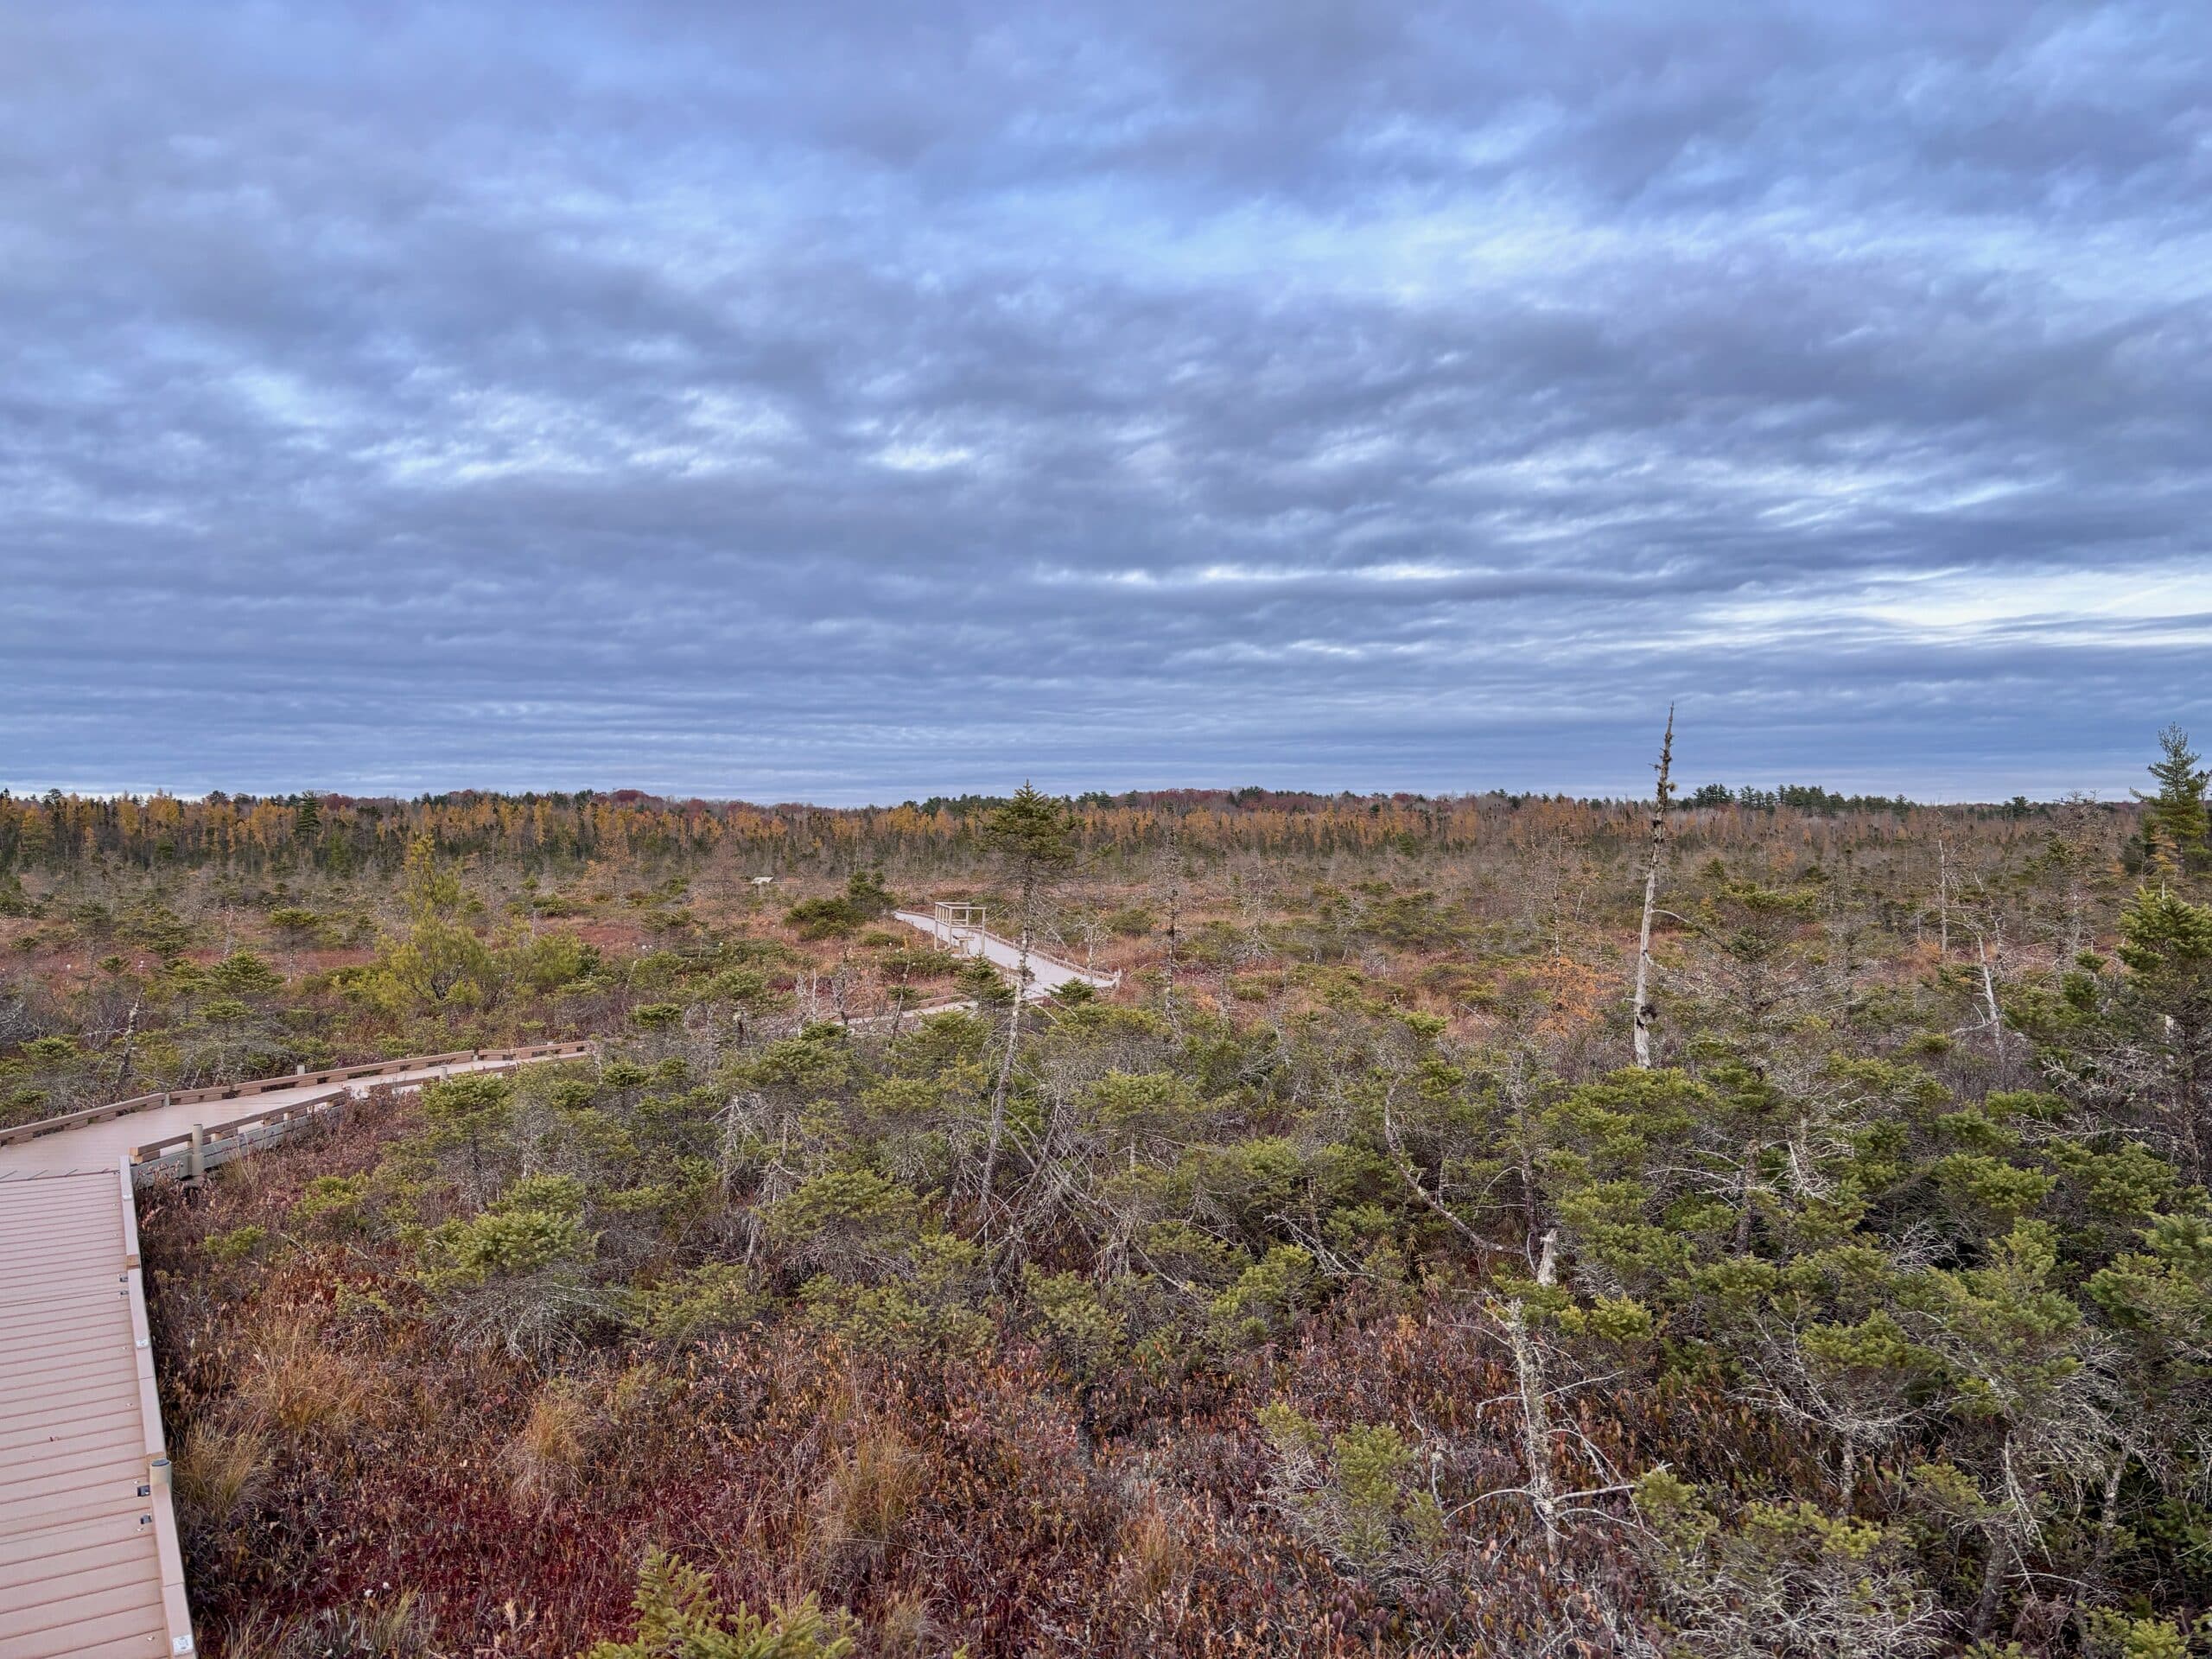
(2174,821)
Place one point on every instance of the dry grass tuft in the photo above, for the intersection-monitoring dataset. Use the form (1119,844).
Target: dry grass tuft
(1152,1559)
(216,1467)
(864,1501)
(544,1462)
(904,1630)
(398,1629)
(299,1383)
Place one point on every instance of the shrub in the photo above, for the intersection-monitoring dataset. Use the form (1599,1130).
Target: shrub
(234,1246)
(465,1254)
(1267,1298)
(333,1203)
(1087,1332)
(711,1298)
(1783,1578)
(1353,1495)
(515,1279)
(847,1220)
(678,1619)
(1133,922)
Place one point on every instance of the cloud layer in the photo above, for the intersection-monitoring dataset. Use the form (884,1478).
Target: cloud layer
(864,400)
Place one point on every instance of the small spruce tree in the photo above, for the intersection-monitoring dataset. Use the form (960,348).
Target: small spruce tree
(2174,819)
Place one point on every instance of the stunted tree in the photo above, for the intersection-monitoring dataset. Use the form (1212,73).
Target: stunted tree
(2026,1364)
(677,1618)
(1170,870)
(439,962)
(1029,834)
(2157,1055)
(2133,1049)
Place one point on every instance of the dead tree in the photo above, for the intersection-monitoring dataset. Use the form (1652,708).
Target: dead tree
(1535,1415)
(1030,834)
(1174,906)
(1554,1508)
(1646,1013)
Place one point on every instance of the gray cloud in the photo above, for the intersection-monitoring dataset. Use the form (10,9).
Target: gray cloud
(877,400)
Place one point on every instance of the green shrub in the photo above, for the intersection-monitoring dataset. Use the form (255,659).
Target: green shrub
(687,1307)
(465,1254)
(678,1619)
(237,1243)
(333,1203)
(1267,1298)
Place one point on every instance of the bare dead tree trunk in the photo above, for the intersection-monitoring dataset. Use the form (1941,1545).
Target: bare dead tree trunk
(1646,1013)
(2004,1543)
(129,1037)
(1992,1584)
(1174,905)
(1535,1412)
(2109,1516)
(1989,992)
(1944,897)
(1012,1039)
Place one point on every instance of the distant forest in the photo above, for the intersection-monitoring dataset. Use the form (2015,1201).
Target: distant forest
(339,833)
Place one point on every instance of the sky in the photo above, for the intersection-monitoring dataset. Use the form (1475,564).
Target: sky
(863,400)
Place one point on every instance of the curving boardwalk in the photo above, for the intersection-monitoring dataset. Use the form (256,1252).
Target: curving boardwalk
(1046,974)
(89,1562)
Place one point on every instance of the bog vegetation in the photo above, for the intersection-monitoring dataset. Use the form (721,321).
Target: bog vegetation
(1336,1284)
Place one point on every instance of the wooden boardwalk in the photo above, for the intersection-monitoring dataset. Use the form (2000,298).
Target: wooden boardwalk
(1046,973)
(90,1566)
(89,1563)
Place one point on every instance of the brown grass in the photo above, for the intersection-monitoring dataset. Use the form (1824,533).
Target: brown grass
(217,1465)
(1152,1559)
(864,1501)
(544,1461)
(299,1383)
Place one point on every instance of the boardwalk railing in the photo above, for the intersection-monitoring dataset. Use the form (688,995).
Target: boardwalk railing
(346,1074)
(192,1152)
(197,1150)
(176,1611)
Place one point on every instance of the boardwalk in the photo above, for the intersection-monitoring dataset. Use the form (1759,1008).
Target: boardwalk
(89,1562)
(88,1550)
(1046,974)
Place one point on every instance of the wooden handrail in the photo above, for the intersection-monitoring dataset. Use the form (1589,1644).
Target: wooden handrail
(215,1131)
(292,1080)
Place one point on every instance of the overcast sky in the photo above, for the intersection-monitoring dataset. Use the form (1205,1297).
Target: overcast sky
(847,402)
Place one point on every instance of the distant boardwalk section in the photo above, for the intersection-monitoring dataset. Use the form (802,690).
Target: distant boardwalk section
(949,929)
